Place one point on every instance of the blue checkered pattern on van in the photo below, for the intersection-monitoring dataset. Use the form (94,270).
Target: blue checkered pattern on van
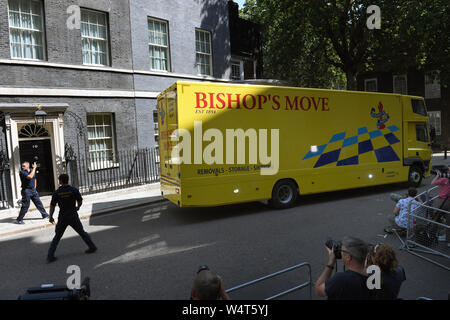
(365,143)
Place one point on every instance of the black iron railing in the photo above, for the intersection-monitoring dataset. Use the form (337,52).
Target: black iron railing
(6,200)
(99,172)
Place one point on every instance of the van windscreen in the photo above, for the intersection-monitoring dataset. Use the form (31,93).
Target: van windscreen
(419,107)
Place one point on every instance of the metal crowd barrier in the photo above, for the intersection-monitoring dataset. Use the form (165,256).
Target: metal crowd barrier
(301,286)
(426,233)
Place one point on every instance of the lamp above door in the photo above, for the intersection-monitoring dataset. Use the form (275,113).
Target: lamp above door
(40,116)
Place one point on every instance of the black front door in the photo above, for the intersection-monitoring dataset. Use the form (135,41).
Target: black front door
(39,151)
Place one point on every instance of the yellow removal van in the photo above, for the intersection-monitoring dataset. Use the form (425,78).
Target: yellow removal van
(230,143)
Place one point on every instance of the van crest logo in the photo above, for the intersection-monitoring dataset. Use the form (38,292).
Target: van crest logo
(382,116)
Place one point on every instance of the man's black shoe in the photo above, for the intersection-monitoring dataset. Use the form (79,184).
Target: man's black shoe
(51,259)
(45,216)
(91,250)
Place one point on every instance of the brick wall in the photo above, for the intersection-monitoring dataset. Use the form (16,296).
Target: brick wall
(182,18)
(128,43)
(416,87)
(123,110)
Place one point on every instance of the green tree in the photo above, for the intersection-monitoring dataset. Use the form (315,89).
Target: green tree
(414,35)
(315,42)
(291,51)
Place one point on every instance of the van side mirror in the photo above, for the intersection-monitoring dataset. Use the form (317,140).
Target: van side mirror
(432,134)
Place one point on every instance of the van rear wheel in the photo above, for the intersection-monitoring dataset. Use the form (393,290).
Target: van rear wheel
(415,176)
(284,194)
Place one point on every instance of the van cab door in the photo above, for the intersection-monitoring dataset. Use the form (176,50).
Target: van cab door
(418,141)
(417,147)
(418,152)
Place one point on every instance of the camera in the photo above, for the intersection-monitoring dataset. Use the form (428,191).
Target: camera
(336,246)
(443,169)
(52,292)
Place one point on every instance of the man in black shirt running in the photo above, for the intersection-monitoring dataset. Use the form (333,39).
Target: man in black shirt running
(67,197)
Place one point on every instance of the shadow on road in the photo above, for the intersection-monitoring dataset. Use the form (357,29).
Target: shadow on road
(176,215)
(141,248)
(352,193)
(128,241)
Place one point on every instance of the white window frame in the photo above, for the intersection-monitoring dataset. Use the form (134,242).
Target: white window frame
(432,118)
(369,80)
(89,38)
(98,165)
(209,55)
(432,87)
(241,69)
(156,135)
(42,31)
(406,83)
(160,46)
(155,124)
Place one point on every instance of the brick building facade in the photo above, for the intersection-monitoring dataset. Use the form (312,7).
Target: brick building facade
(98,80)
(416,83)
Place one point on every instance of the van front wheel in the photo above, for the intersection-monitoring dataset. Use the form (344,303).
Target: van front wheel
(415,176)
(284,194)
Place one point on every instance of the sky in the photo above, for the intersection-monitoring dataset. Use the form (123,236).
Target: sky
(240,2)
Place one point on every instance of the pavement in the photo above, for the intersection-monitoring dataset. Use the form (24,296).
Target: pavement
(105,202)
(439,159)
(93,205)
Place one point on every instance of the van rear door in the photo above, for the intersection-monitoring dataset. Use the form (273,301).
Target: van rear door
(168,123)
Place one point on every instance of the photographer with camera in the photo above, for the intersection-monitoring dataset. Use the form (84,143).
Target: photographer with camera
(29,191)
(208,286)
(350,284)
(442,180)
(443,201)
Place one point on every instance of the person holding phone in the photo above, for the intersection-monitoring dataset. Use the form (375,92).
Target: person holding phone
(29,184)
